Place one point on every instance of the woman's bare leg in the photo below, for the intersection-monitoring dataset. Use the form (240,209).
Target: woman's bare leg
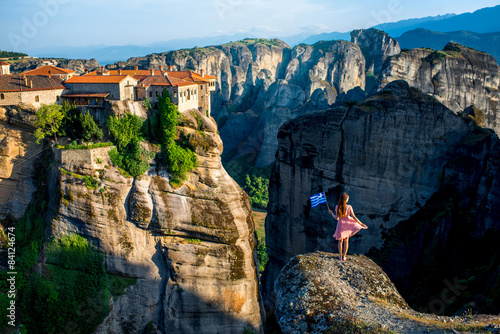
(345,247)
(340,248)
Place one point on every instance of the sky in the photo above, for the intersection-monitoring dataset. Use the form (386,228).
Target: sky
(30,24)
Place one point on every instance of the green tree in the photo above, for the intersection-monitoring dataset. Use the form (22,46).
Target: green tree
(125,129)
(48,120)
(169,115)
(181,160)
(257,189)
(91,131)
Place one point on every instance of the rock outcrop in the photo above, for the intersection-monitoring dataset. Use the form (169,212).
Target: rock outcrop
(376,46)
(267,83)
(317,293)
(18,155)
(391,153)
(457,76)
(77,65)
(191,249)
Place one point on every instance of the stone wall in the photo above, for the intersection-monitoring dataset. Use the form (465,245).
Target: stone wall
(30,97)
(188,98)
(92,156)
(112,88)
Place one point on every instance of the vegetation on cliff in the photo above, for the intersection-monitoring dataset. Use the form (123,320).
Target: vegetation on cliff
(128,133)
(70,289)
(179,157)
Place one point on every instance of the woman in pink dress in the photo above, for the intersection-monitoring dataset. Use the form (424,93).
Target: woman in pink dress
(347,224)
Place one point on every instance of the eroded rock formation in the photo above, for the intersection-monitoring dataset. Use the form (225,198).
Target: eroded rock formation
(191,249)
(457,76)
(317,293)
(391,153)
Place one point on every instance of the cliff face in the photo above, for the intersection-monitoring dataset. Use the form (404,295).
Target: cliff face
(18,155)
(390,153)
(77,65)
(264,83)
(457,76)
(376,46)
(191,249)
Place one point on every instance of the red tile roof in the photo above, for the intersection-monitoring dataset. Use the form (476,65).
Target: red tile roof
(44,70)
(16,83)
(98,79)
(162,80)
(2,63)
(142,74)
(85,94)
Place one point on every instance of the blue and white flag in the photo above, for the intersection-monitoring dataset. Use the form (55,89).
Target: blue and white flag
(317,199)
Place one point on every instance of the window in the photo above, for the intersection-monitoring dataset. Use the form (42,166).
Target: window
(156,93)
(150,94)
(2,96)
(189,94)
(37,99)
(57,98)
(175,93)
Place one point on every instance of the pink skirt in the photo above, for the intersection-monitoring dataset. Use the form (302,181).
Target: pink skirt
(346,228)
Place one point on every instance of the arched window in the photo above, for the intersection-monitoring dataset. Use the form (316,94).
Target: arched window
(150,94)
(2,96)
(37,99)
(189,94)
(175,93)
(156,93)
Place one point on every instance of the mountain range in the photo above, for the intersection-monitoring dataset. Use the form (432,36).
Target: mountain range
(482,21)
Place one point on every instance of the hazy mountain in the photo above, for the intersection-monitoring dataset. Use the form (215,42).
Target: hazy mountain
(484,20)
(400,27)
(489,42)
(327,36)
(110,54)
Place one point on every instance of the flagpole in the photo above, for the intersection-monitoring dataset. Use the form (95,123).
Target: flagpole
(326,202)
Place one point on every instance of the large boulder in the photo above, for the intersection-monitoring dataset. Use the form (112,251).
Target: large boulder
(318,293)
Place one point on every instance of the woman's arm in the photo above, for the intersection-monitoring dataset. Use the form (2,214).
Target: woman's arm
(356,219)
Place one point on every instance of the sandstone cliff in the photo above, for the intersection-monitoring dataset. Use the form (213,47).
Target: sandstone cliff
(191,249)
(376,46)
(391,153)
(18,155)
(263,83)
(77,65)
(457,76)
(317,293)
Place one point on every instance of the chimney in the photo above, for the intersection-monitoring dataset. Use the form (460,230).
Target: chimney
(31,83)
(119,72)
(25,80)
(50,74)
(170,68)
(161,68)
(102,68)
(86,71)
(202,72)
(152,72)
(136,67)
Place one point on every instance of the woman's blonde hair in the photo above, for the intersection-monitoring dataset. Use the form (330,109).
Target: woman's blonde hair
(342,206)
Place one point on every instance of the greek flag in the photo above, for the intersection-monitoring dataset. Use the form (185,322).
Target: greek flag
(317,199)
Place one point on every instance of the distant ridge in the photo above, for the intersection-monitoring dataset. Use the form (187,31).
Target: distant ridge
(484,20)
(489,42)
